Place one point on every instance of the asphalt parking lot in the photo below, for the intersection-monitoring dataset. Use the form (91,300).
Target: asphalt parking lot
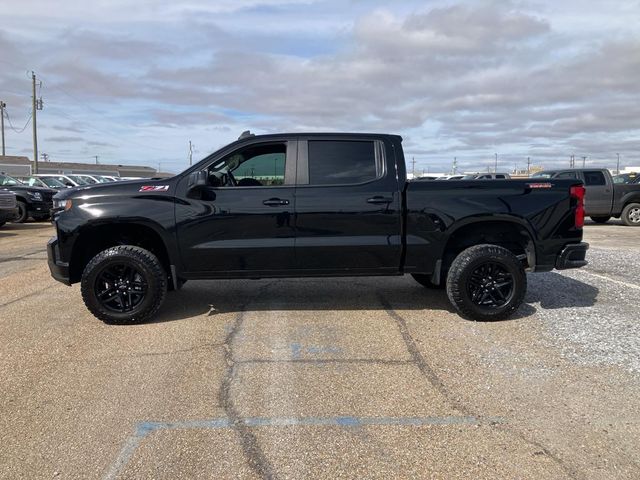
(322,378)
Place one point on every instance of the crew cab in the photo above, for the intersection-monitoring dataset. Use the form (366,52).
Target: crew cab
(604,198)
(35,202)
(304,205)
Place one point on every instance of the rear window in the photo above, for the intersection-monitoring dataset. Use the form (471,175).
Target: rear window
(594,178)
(566,175)
(342,162)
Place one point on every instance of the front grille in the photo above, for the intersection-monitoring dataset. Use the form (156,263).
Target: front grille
(7,201)
(48,196)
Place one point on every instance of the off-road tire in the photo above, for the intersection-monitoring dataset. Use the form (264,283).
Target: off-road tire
(629,212)
(467,263)
(23,213)
(149,268)
(425,281)
(600,219)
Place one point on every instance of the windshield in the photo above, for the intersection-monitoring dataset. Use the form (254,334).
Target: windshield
(7,180)
(52,182)
(78,179)
(31,181)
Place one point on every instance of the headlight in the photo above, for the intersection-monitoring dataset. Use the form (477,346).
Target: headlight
(62,204)
(37,196)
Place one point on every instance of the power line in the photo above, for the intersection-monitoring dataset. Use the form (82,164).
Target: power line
(11,124)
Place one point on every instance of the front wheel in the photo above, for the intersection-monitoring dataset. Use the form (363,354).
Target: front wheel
(23,213)
(124,285)
(631,215)
(486,282)
(600,219)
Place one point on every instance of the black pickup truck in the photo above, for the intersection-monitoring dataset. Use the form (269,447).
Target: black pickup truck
(35,202)
(298,205)
(604,198)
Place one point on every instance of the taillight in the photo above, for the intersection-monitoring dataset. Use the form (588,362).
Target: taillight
(577,192)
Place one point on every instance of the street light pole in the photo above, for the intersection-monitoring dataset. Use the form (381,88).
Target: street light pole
(495,168)
(617,165)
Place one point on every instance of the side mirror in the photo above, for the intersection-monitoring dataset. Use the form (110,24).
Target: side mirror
(198,179)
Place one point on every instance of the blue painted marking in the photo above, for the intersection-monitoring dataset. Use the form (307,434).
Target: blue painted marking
(143,429)
(296,350)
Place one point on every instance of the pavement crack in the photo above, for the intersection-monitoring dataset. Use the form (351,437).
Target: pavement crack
(429,373)
(255,457)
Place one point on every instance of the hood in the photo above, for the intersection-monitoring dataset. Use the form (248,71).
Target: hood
(125,187)
(27,188)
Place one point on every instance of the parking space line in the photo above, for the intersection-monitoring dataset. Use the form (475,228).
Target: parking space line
(144,429)
(609,279)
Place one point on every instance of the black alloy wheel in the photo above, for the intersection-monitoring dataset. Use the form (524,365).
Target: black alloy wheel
(486,282)
(124,284)
(490,285)
(120,287)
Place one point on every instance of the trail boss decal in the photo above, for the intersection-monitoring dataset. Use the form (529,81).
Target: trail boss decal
(154,188)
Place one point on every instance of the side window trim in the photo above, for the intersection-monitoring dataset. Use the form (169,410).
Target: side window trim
(291,146)
(302,177)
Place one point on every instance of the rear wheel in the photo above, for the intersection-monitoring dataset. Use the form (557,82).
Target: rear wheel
(425,281)
(124,284)
(23,213)
(486,282)
(600,219)
(631,215)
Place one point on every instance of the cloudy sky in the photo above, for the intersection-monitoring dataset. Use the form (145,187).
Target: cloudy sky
(133,82)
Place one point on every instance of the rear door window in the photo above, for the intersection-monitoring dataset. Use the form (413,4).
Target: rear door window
(594,178)
(337,162)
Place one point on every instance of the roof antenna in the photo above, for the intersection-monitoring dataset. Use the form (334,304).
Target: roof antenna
(246,134)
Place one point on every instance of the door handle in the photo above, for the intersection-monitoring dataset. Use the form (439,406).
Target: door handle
(377,200)
(275,202)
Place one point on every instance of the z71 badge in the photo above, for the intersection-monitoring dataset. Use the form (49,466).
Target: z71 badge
(154,188)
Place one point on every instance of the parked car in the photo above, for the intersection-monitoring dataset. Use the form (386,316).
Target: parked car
(604,198)
(8,207)
(627,178)
(35,202)
(65,179)
(450,177)
(46,182)
(233,215)
(487,176)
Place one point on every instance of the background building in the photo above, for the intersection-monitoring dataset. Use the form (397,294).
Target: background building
(14,165)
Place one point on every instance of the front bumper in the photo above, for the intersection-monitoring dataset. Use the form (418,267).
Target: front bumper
(59,270)
(39,208)
(572,256)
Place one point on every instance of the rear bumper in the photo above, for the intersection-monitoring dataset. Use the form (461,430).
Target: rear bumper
(572,256)
(8,214)
(59,270)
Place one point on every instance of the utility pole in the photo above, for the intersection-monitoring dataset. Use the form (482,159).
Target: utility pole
(413,166)
(617,165)
(96,157)
(45,157)
(572,162)
(528,166)
(584,160)
(2,107)
(36,104)
(454,168)
(190,153)
(495,168)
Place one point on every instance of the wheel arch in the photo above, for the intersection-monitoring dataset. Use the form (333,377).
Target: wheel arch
(94,238)
(513,234)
